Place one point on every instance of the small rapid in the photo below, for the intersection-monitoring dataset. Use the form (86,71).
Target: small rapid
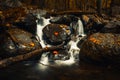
(73,50)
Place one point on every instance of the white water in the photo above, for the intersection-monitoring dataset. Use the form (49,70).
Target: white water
(44,62)
(73,51)
(80,28)
(40,26)
(44,58)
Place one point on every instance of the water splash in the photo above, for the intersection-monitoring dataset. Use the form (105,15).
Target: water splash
(44,62)
(44,59)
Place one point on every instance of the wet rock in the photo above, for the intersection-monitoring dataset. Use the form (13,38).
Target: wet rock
(59,55)
(112,27)
(92,24)
(115,11)
(10,4)
(56,33)
(1,17)
(27,23)
(101,48)
(85,19)
(64,19)
(16,41)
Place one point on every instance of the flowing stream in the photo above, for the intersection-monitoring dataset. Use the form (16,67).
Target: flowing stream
(68,69)
(73,50)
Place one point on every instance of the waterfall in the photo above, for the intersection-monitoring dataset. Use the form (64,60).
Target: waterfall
(73,51)
(80,28)
(41,23)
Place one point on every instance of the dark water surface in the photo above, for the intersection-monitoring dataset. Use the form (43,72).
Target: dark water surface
(30,70)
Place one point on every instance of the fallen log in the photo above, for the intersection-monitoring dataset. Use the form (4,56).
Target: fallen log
(11,60)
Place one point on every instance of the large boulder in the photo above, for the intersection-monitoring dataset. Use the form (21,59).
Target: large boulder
(101,47)
(56,33)
(16,41)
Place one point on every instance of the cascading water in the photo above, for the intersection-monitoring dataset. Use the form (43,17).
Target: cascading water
(80,28)
(73,50)
(41,23)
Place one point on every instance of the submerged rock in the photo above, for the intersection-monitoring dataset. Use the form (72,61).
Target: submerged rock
(56,33)
(101,47)
(16,41)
